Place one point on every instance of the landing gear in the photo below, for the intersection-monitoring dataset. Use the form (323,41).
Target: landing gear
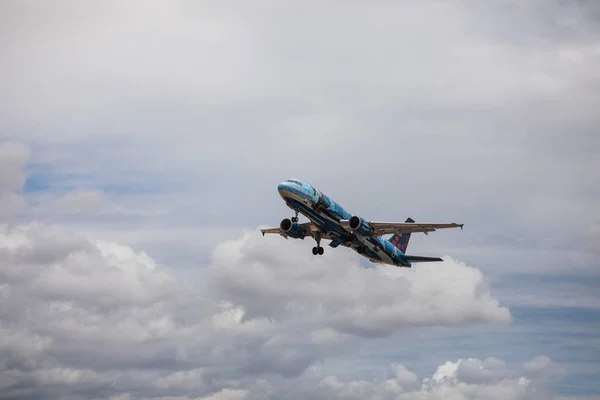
(361,249)
(295,219)
(318,249)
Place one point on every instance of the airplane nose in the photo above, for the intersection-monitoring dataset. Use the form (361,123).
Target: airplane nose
(283,187)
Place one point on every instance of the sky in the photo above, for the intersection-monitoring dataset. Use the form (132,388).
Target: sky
(141,144)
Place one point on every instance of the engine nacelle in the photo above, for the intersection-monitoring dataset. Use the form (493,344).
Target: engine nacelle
(291,229)
(360,226)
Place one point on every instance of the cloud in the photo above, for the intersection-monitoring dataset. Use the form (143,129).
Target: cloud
(477,371)
(79,314)
(577,398)
(81,201)
(440,95)
(13,157)
(227,394)
(481,114)
(591,234)
(93,318)
(463,379)
(542,366)
(437,98)
(277,279)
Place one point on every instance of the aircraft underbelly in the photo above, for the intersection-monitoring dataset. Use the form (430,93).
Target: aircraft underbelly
(329,226)
(322,221)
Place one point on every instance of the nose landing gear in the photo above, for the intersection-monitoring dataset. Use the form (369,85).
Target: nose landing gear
(318,250)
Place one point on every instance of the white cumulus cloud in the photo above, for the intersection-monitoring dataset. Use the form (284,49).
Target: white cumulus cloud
(460,380)
(272,278)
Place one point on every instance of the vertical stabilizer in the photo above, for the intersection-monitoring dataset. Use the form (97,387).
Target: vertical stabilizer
(401,241)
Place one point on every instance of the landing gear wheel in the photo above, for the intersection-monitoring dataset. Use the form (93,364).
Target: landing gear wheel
(318,249)
(294,219)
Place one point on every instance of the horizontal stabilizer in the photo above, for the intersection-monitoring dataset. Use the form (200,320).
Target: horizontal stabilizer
(414,259)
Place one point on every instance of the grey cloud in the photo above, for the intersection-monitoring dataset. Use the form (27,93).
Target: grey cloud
(13,157)
(104,320)
(406,379)
(581,293)
(505,132)
(577,398)
(11,204)
(93,318)
(542,366)
(81,201)
(484,114)
(43,244)
(475,371)
(591,234)
(459,105)
(96,314)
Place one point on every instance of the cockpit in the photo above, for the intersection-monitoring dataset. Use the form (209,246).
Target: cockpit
(304,187)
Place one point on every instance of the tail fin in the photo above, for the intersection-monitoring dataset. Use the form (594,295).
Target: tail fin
(401,241)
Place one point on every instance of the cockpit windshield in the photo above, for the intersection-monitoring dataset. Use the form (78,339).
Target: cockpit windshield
(293,181)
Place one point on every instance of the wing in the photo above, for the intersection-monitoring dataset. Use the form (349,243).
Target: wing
(385,228)
(309,229)
(270,230)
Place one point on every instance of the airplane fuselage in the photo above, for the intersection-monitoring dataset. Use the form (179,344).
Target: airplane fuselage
(326,215)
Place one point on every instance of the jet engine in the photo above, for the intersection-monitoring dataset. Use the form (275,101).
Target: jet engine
(360,226)
(291,229)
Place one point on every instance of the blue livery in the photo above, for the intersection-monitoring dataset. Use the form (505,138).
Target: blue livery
(329,220)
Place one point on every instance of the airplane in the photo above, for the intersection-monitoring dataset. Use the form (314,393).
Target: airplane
(330,221)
